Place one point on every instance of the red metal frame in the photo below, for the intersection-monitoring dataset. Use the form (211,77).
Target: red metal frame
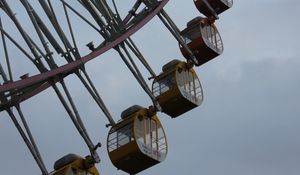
(69,68)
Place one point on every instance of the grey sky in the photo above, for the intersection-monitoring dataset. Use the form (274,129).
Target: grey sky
(249,123)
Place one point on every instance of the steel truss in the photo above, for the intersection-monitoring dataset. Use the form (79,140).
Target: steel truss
(106,21)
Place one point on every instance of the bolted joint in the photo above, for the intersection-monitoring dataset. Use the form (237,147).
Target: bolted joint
(88,162)
(189,64)
(152,111)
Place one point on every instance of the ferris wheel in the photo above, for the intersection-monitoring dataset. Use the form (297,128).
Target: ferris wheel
(137,141)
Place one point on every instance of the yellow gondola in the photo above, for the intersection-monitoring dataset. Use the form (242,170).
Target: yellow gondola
(203,38)
(137,141)
(219,6)
(72,164)
(177,89)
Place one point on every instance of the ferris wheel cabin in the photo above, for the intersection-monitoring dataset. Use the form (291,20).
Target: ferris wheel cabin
(204,40)
(72,164)
(219,6)
(177,89)
(137,141)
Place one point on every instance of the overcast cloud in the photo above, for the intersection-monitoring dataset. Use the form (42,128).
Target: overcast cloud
(249,123)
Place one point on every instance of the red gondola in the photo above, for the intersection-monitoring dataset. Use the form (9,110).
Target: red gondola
(203,38)
(218,6)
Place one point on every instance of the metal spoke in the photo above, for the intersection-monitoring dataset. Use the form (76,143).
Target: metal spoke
(27,141)
(168,22)
(6,53)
